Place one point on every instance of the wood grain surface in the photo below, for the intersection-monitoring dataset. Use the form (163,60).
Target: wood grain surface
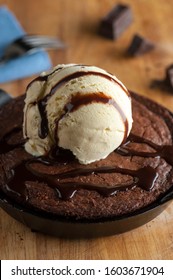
(76,22)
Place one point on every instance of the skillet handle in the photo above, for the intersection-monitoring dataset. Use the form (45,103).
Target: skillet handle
(167,197)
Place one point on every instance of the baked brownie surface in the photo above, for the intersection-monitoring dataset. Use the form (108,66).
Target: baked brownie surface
(130,178)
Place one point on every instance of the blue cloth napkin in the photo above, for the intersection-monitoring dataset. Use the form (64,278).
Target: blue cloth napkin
(30,63)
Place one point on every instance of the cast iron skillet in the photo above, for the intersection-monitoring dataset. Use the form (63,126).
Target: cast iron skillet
(46,223)
(63,228)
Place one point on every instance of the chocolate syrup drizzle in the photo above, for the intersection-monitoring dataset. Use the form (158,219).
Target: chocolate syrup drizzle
(42,102)
(26,171)
(80,100)
(66,190)
(165,151)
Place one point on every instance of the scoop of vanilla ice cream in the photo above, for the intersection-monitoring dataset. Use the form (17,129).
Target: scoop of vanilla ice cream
(81,108)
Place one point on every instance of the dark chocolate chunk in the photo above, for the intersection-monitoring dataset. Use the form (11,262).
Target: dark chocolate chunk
(116,21)
(167,83)
(139,45)
(169,76)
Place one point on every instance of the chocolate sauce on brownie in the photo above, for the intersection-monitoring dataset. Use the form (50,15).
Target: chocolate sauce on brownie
(65,190)
(26,171)
(165,152)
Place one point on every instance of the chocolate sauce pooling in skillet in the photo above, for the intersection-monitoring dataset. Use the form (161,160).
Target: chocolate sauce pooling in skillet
(42,103)
(26,171)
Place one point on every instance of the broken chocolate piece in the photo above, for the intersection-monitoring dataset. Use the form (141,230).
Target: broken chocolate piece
(116,21)
(169,76)
(139,45)
(167,83)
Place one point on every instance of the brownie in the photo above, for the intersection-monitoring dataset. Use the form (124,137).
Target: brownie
(133,176)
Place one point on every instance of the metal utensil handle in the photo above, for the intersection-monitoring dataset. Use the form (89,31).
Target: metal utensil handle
(4,97)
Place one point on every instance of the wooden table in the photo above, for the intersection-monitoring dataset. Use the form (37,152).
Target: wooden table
(76,22)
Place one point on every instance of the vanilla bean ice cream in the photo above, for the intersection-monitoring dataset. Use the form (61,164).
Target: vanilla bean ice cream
(80,108)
